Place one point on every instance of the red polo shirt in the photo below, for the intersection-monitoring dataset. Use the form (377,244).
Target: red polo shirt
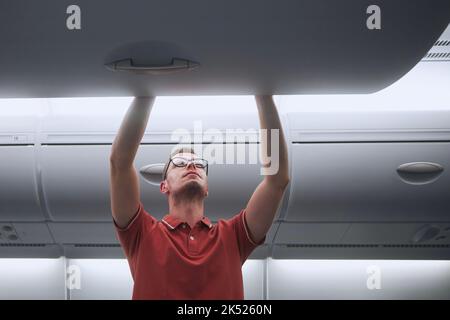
(169,260)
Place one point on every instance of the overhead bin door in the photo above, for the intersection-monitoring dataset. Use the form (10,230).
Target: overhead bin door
(363,182)
(75,179)
(19,195)
(19,192)
(242,47)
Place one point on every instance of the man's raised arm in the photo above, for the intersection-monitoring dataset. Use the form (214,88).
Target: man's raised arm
(124,182)
(263,204)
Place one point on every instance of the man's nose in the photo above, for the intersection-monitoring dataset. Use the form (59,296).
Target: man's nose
(191,163)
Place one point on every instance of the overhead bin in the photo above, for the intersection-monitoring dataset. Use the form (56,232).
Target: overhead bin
(384,166)
(19,194)
(283,47)
(75,181)
(367,185)
(76,142)
(360,182)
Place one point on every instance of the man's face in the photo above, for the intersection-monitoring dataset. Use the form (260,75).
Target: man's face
(189,180)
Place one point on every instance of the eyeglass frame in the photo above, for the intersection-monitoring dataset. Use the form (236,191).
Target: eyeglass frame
(188,163)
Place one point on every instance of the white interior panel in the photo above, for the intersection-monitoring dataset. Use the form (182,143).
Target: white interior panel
(32,279)
(253,276)
(104,279)
(18,189)
(111,279)
(263,279)
(335,279)
(350,182)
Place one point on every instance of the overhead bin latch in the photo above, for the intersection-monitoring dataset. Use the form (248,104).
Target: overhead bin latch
(152,173)
(177,65)
(418,173)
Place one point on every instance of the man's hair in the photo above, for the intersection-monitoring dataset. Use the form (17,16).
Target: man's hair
(176,151)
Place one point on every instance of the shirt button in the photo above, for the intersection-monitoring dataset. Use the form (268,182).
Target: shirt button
(191,237)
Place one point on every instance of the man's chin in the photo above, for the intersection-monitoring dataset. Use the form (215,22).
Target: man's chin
(191,189)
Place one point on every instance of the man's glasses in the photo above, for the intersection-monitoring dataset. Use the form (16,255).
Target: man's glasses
(182,162)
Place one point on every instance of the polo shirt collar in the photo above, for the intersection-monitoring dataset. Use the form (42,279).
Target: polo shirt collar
(172,222)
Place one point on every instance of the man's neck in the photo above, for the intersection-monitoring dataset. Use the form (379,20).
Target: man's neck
(190,211)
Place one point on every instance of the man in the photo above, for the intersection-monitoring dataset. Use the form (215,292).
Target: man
(185,256)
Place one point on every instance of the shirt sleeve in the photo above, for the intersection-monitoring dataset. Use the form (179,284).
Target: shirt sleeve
(131,236)
(245,242)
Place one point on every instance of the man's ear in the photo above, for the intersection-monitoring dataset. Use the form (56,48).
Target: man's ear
(163,187)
